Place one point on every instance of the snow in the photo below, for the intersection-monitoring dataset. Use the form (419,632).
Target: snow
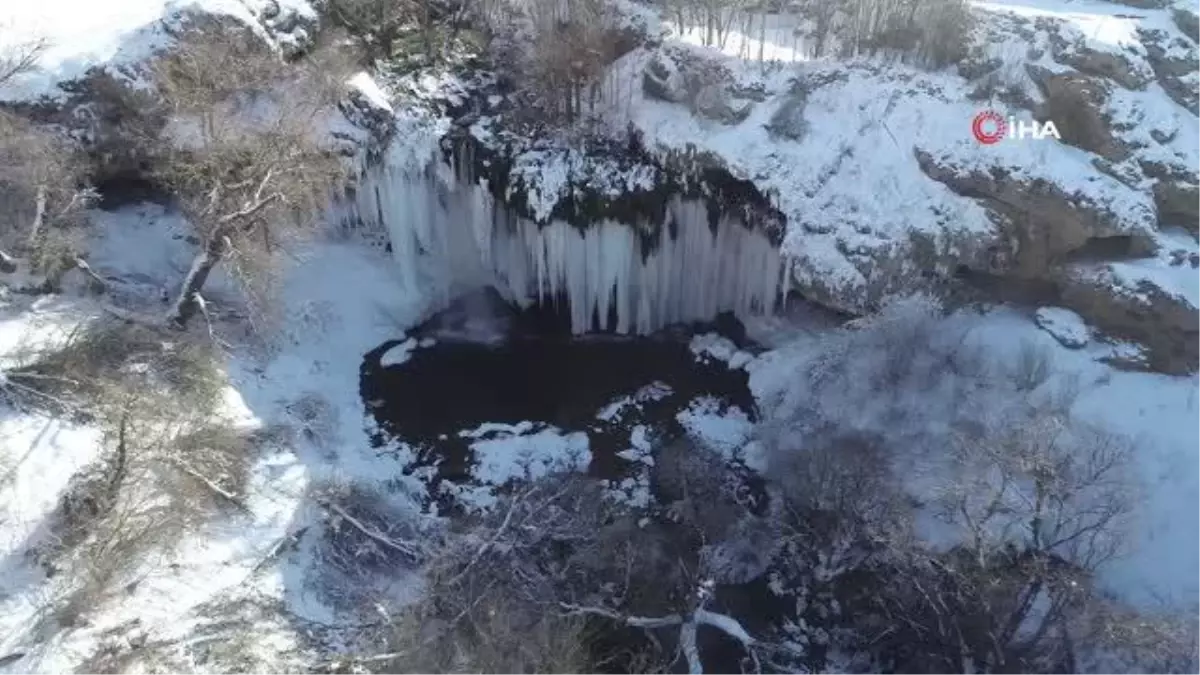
(715,346)
(722,431)
(1159,413)
(1139,116)
(1175,277)
(634,491)
(515,454)
(655,391)
(81,35)
(1103,25)
(1066,326)
(367,86)
(398,354)
(39,456)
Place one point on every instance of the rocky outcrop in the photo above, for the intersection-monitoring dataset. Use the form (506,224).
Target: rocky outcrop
(1145,4)
(1178,205)
(1067,327)
(1047,220)
(1174,62)
(1076,104)
(1116,66)
(1188,22)
(703,86)
(1165,324)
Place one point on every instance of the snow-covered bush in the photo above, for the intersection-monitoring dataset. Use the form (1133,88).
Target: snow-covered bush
(492,591)
(1123,640)
(905,429)
(371,541)
(406,33)
(168,465)
(100,364)
(375,24)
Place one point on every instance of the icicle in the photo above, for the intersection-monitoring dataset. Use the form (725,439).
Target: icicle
(448,233)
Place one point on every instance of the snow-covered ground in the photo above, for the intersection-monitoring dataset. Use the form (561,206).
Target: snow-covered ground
(1159,414)
(77,35)
(844,172)
(306,379)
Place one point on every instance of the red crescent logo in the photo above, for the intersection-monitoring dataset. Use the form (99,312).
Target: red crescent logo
(989,127)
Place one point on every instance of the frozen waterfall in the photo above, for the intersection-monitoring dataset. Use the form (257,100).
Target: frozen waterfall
(447,234)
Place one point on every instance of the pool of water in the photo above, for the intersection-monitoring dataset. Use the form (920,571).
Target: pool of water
(480,361)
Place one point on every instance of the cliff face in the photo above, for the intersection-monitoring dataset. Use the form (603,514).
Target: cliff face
(861,170)
(865,169)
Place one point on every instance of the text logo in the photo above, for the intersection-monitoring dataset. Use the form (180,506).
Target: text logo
(990,127)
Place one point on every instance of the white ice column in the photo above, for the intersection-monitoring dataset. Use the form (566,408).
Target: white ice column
(448,234)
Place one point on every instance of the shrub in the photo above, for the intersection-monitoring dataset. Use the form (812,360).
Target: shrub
(41,196)
(104,364)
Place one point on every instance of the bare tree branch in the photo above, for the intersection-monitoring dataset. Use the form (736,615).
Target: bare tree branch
(21,58)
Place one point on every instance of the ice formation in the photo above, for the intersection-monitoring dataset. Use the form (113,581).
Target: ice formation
(612,275)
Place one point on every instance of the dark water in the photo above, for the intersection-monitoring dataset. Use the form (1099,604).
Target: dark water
(490,363)
(493,364)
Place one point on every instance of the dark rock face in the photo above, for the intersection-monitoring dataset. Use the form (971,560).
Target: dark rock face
(1188,22)
(1076,103)
(599,188)
(1178,205)
(1116,67)
(1145,4)
(1048,222)
(706,87)
(1171,71)
(1167,326)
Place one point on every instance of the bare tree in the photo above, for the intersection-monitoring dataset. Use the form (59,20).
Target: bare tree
(41,195)
(376,24)
(1041,501)
(40,176)
(245,155)
(553,579)
(572,42)
(385,28)
(20,58)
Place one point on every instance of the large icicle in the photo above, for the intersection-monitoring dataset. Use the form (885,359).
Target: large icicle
(447,234)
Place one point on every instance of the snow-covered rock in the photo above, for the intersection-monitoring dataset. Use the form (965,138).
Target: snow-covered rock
(112,36)
(1151,300)
(1066,326)
(398,354)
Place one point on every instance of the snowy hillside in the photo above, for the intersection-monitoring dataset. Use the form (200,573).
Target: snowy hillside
(839,146)
(72,36)
(870,162)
